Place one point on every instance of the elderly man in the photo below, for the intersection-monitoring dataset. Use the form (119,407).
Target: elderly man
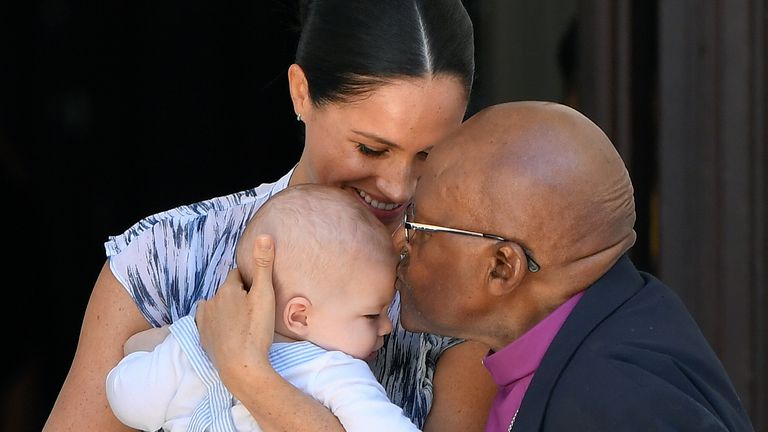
(517,238)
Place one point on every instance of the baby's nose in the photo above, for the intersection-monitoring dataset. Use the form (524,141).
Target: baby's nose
(386,326)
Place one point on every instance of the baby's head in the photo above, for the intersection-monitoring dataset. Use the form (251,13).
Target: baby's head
(334,268)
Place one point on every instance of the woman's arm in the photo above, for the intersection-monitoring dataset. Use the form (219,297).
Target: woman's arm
(236,329)
(463,390)
(110,319)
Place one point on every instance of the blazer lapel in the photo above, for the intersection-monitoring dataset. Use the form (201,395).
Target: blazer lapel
(599,300)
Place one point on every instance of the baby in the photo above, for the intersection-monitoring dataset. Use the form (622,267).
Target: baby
(334,278)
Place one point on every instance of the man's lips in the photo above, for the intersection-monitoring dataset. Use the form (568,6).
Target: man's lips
(402,265)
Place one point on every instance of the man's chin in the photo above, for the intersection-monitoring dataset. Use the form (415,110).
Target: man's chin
(415,323)
(410,322)
(409,325)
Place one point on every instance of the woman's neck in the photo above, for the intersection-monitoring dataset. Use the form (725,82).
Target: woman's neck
(299,175)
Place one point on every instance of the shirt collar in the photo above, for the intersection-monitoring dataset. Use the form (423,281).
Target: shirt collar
(521,357)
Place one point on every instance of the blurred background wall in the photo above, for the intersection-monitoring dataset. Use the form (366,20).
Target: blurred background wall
(111,111)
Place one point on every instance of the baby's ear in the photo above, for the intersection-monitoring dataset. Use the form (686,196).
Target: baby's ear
(296,315)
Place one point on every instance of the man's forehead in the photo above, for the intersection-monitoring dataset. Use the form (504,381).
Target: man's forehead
(438,192)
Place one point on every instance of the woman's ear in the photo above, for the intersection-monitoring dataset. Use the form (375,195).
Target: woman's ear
(299,88)
(296,315)
(508,269)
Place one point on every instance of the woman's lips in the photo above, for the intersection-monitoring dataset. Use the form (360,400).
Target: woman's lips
(385,212)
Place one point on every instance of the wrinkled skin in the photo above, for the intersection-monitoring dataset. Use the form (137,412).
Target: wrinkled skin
(540,174)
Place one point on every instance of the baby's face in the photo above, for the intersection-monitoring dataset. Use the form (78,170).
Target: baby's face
(354,319)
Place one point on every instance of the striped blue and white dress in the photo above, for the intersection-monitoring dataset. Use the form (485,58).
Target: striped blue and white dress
(170,260)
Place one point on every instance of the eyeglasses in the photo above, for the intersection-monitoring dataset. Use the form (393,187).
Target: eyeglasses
(409,227)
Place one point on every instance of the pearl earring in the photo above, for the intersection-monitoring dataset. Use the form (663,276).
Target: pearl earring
(298,117)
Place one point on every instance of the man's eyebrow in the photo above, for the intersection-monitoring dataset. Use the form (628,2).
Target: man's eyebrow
(377,138)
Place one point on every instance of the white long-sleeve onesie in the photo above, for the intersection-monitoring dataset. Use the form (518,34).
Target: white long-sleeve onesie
(162,389)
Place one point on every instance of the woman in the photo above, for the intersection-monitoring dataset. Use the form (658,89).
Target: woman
(376,85)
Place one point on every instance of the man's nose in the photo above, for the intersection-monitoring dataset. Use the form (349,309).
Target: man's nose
(398,182)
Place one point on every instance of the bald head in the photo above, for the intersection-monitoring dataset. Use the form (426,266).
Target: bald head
(543,174)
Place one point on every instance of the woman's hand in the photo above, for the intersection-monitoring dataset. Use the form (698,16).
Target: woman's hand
(236,330)
(237,325)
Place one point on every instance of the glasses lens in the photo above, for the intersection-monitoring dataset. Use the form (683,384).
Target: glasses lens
(407,217)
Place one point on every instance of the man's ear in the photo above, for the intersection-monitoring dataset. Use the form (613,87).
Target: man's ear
(296,315)
(508,269)
(299,89)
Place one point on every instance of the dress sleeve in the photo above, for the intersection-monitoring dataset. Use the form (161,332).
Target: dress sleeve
(143,384)
(167,262)
(170,260)
(348,388)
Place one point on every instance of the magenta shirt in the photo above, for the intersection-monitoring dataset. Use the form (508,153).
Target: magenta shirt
(513,367)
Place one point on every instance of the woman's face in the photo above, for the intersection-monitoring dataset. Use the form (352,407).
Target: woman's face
(375,147)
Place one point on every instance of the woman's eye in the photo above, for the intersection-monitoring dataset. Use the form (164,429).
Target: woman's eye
(372,316)
(364,149)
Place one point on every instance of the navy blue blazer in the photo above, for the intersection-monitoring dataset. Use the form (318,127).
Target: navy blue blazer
(630,358)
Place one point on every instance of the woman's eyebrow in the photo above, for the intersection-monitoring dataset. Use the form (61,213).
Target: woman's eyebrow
(377,138)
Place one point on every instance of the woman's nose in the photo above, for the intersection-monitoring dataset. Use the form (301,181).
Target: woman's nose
(398,181)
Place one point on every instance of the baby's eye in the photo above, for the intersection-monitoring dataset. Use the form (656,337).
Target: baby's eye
(364,149)
(372,316)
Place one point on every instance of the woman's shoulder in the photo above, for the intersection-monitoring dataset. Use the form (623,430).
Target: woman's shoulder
(222,207)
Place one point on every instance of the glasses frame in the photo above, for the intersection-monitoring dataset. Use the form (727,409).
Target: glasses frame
(533,266)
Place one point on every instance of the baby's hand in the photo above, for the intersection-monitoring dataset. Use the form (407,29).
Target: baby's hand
(146,340)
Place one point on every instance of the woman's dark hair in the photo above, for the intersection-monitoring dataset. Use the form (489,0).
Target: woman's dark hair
(348,48)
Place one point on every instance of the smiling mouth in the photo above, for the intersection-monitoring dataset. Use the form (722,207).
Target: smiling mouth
(379,205)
